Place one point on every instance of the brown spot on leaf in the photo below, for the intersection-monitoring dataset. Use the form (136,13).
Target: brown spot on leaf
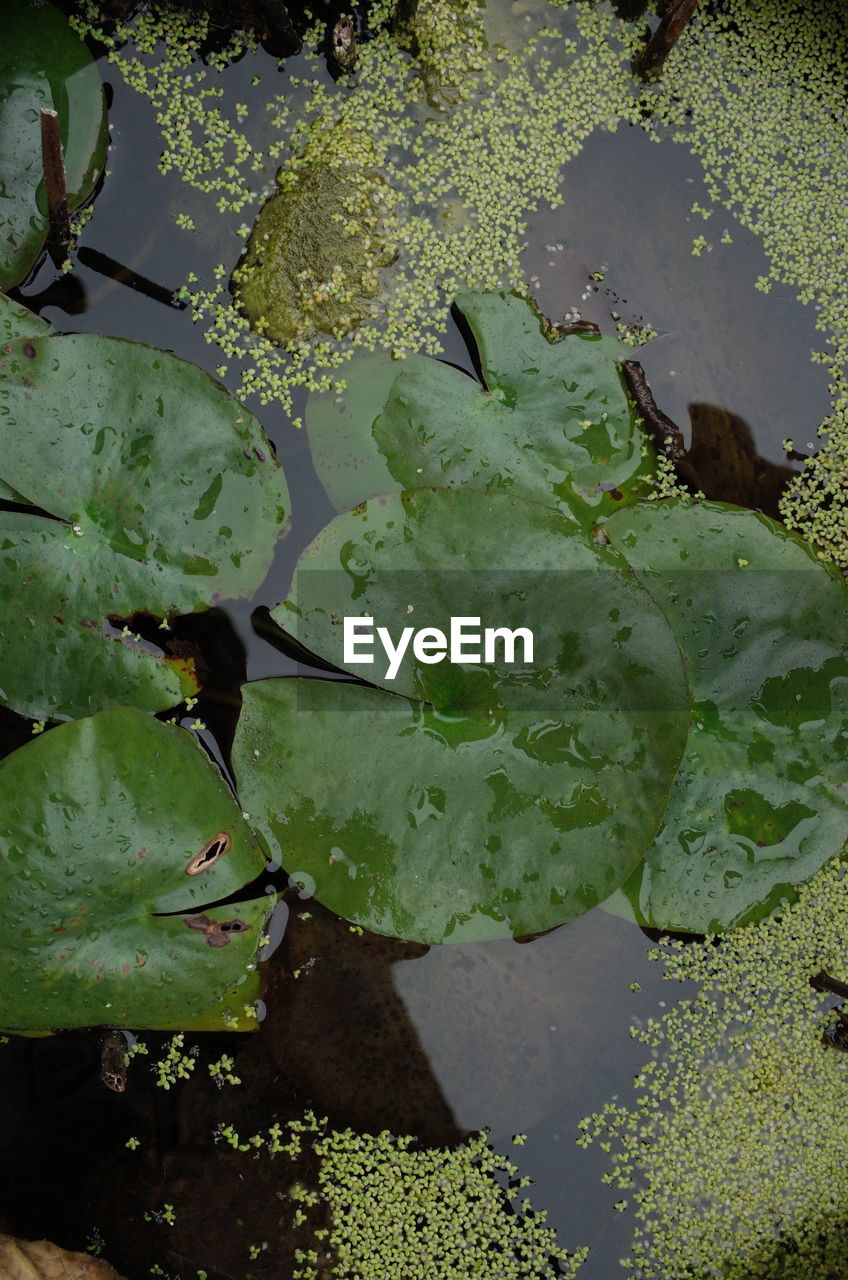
(216,932)
(28,350)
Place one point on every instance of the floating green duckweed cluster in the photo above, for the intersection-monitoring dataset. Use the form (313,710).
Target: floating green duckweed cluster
(757,91)
(465,177)
(397,1210)
(735,1150)
(449,40)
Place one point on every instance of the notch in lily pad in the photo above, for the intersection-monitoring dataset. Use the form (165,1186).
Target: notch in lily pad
(551,420)
(481,803)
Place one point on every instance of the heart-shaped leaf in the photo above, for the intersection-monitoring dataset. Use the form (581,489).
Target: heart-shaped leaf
(166,497)
(43,63)
(512,794)
(761,798)
(551,423)
(115,835)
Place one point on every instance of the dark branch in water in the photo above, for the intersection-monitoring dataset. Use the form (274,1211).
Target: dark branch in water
(823,982)
(281,35)
(107,266)
(665,434)
(53,163)
(649,63)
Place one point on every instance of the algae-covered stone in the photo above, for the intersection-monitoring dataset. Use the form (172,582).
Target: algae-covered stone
(313,257)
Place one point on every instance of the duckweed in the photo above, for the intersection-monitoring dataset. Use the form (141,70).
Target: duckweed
(396,1209)
(733,1151)
(757,92)
(473,133)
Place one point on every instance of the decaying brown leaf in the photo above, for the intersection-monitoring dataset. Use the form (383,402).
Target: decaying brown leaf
(41,1260)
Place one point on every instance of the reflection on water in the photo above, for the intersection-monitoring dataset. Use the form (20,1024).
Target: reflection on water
(372,1032)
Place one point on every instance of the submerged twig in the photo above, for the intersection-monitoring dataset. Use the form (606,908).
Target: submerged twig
(824,982)
(281,36)
(106,266)
(53,164)
(666,435)
(672,23)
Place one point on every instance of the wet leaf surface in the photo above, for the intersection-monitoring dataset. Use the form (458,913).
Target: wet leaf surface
(103,436)
(99,821)
(510,800)
(759,803)
(17,322)
(43,63)
(551,422)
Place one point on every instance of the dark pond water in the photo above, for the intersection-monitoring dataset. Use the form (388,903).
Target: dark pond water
(519,1038)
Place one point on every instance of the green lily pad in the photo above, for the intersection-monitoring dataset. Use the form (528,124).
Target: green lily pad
(43,63)
(340,429)
(17,322)
(165,497)
(551,423)
(510,795)
(761,798)
(100,821)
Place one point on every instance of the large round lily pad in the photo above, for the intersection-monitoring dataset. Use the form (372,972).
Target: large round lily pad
(165,497)
(761,798)
(43,63)
(551,422)
(510,796)
(100,821)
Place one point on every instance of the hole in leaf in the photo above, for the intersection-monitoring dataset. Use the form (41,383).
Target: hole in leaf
(210,853)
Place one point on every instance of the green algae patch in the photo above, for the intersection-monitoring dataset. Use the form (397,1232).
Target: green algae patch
(731,1148)
(378,1205)
(449,42)
(313,258)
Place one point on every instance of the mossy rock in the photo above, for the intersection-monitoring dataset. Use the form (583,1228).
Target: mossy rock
(312,261)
